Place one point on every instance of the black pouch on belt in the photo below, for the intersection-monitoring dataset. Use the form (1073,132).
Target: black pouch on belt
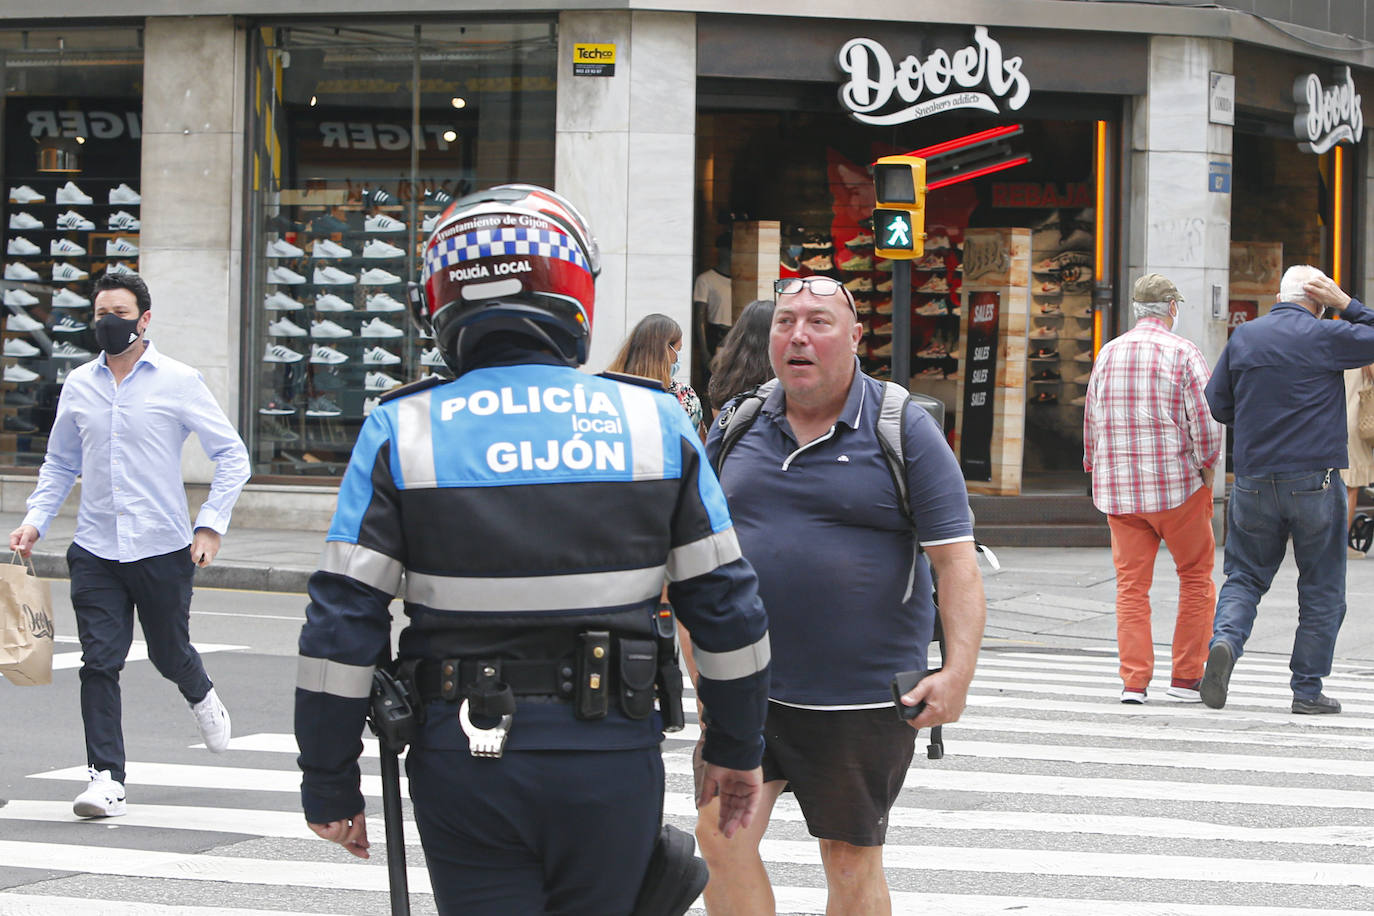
(592,693)
(638,664)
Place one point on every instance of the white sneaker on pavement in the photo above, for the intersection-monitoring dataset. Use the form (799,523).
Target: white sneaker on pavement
(103,797)
(213,721)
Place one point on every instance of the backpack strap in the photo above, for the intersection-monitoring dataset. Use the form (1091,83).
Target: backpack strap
(891,420)
(738,416)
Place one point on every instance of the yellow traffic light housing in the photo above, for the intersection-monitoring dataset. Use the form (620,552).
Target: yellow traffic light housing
(899,221)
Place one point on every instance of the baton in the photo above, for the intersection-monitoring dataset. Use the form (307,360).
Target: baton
(395,836)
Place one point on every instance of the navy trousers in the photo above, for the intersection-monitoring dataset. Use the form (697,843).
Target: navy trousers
(563,833)
(105,594)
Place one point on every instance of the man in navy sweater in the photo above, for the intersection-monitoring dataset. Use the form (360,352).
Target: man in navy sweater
(1278,384)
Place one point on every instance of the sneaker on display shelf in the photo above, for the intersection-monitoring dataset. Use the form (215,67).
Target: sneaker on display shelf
(124,195)
(19,321)
(17,424)
(67,273)
(321,406)
(881,352)
(428,225)
(285,327)
(25,195)
(276,409)
(1044,332)
(937,243)
(859,285)
(379,328)
(856,261)
(1082,379)
(883,264)
(885,286)
(120,248)
(1083,334)
(931,372)
(332,276)
(934,351)
(19,349)
(369,405)
(1085,357)
(125,222)
(431,357)
(818,262)
(17,271)
(22,247)
(380,356)
(69,325)
(326,329)
(380,381)
(883,308)
(20,297)
(375,276)
(120,267)
(934,285)
(328,302)
(932,309)
(379,249)
(71,220)
(281,248)
(1044,353)
(19,375)
(273,428)
(862,240)
(381,302)
(284,276)
(66,299)
(103,797)
(65,248)
(1046,375)
(1047,288)
(437,197)
(24,221)
(382,223)
(281,302)
(64,350)
(324,248)
(277,353)
(69,193)
(326,356)
(931,262)
(1049,309)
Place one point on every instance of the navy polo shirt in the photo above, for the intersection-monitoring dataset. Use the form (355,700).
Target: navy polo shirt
(848,596)
(1278,383)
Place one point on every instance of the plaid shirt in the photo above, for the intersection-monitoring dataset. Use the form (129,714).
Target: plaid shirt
(1146,428)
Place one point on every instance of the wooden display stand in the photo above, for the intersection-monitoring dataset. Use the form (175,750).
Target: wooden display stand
(754,262)
(991,392)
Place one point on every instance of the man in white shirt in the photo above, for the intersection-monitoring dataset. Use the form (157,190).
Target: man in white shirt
(121,422)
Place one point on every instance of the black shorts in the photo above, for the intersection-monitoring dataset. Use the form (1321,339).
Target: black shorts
(845,766)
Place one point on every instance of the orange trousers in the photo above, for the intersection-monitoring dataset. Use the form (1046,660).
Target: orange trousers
(1187,530)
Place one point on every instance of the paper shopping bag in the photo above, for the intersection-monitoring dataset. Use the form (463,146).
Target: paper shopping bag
(26,630)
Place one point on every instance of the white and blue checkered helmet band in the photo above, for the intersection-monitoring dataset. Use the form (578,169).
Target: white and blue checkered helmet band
(502,241)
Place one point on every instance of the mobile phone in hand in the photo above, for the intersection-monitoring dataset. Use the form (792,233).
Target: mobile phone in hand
(902,682)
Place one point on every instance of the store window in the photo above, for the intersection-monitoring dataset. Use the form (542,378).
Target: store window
(71,160)
(363,134)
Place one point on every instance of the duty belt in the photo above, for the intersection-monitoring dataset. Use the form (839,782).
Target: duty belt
(453,679)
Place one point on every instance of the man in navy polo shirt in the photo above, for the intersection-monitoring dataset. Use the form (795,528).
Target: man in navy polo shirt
(1279,385)
(848,597)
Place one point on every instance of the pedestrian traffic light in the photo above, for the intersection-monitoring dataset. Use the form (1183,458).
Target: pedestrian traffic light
(899,221)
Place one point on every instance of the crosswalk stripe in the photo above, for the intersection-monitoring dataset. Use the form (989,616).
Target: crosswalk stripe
(33,905)
(1271,662)
(1257,683)
(1360,714)
(977,720)
(222,778)
(138,652)
(798,900)
(1112,683)
(1228,718)
(1184,760)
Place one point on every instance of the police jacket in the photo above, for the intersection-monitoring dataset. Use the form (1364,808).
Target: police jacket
(519,504)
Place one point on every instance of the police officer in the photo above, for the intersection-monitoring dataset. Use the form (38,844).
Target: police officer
(534,512)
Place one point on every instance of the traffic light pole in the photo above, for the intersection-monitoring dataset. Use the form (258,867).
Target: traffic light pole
(901,323)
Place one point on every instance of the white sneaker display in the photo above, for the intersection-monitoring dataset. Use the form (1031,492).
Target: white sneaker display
(430,222)
(328,356)
(17,271)
(21,297)
(328,302)
(281,248)
(25,195)
(68,325)
(381,302)
(322,407)
(65,248)
(332,276)
(120,221)
(379,356)
(371,404)
(284,276)
(66,273)
(21,322)
(383,223)
(66,350)
(20,349)
(431,357)
(66,299)
(73,220)
(103,797)
(119,267)
(212,719)
(379,249)
(19,374)
(277,353)
(123,195)
(24,221)
(21,246)
(325,329)
(285,327)
(282,302)
(380,381)
(375,276)
(324,248)
(69,193)
(120,248)
(379,328)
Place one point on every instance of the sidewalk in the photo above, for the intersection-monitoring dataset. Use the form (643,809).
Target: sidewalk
(1042,596)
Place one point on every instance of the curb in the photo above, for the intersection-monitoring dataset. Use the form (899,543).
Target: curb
(220,574)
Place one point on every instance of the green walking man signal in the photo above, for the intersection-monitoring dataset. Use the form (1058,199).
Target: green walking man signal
(899,221)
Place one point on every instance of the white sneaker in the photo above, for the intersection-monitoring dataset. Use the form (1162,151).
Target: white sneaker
(380,381)
(73,220)
(103,797)
(25,221)
(119,267)
(19,374)
(379,328)
(120,248)
(285,327)
(383,223)
(320,354)
(431,357)
(281,248)
(22,322)
(328,302)
(20,297)
(69,193)
(1184,694)
(370,404)
(383,303)
(375,276)
(17,271)
(1133,697)
(327,329)
(67,273)
(332,276)
(212,719)
(66,350)
(22,247)
(324,248)
(121,221)
(68,325)
(284,276)
(372,356)
(66,299)
(20,349)
(25,195)
(379,249)
(430,222)
(65,248)
(282,302)
(277,353)
(124,195)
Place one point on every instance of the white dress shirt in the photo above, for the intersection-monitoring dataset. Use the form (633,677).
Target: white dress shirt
(125,443)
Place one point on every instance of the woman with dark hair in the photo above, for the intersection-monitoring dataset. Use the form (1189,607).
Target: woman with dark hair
(651,351)
(741,362)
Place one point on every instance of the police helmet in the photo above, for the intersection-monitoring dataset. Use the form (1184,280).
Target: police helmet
(516,258)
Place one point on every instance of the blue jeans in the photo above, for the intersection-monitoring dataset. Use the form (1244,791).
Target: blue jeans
(1264,512)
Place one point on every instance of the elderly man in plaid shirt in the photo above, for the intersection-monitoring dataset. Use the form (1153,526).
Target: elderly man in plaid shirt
(1151,444)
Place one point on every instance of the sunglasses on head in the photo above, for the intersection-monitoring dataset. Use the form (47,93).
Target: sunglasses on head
(819,286)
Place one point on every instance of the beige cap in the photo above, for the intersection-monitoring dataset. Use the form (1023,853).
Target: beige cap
(1155,288)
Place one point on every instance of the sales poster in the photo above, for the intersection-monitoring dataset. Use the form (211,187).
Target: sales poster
(980,366)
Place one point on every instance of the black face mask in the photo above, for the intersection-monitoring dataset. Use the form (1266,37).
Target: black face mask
(115,334)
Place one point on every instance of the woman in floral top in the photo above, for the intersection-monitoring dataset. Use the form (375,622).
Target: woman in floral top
(652,351)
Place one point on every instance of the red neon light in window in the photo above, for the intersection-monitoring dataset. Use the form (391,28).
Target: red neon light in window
(977,173)
(949,146)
